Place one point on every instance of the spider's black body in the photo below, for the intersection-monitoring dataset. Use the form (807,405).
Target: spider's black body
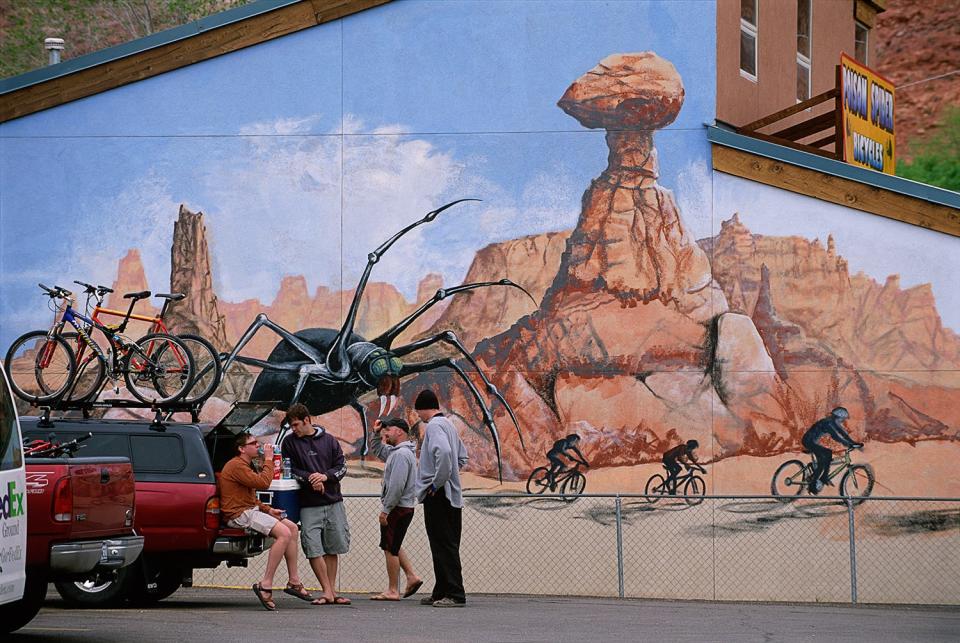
(327,369)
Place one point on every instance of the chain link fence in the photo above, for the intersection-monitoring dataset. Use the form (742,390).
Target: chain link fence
(743,548)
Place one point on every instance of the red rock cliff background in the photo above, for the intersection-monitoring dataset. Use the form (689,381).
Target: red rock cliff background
(641,335)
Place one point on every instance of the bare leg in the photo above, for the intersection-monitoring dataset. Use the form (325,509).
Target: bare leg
(331,561)
(407,567)
(320,570)
(290,554)
(393,575)
(281,534)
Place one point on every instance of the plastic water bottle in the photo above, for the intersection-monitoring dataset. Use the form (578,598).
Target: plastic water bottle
(287,474)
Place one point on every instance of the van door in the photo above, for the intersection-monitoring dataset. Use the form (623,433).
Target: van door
(13,500)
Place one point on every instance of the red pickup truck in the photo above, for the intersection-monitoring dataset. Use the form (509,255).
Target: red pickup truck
(177,508)
(80,516)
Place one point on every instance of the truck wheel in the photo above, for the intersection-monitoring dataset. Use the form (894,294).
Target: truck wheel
(15,615)
(96,589)
(167,582)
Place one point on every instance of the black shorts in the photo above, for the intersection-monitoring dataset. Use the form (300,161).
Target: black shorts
(391,536)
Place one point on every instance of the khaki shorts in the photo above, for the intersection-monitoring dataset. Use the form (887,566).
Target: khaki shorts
(254,519)
(324,530)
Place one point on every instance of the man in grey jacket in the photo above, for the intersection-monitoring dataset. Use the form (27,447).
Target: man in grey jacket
(442,455)
(391,442)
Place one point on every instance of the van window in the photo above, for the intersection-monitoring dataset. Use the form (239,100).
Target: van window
(11,455)
(160,453)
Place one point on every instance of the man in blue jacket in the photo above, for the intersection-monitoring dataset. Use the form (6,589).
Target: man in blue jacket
(831,425)
(317,461)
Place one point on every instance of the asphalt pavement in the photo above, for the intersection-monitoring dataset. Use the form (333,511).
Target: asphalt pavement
(202,614)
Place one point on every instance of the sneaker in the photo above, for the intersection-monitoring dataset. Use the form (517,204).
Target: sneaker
(816,487)
(428,600)
(447,602)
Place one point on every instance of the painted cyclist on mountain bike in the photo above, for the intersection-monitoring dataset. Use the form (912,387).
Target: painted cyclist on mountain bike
(831,425)
(563,447)
(673,458)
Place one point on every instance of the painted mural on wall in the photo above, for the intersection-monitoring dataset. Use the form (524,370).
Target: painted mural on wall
(671,306)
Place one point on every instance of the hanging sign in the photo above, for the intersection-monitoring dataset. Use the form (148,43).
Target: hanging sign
(868,135)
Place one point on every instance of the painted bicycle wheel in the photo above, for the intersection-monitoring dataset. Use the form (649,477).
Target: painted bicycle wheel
(539,480)
(790,479)
(694,490)
(159,370)
(857,483)
(40,368)
(573,486)
(655,487)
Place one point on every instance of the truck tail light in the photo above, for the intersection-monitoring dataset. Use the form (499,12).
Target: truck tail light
(63,501)
(211,515)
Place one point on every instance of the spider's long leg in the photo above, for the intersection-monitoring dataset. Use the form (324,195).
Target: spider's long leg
(270,366)
(261,321)
(386,339)
(421,367)
(363,420)
(337,360)
(449,337)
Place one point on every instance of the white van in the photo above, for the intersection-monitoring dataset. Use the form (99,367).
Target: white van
(16,609)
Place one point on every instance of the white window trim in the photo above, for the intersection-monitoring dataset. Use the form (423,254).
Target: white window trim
(752,31)
(866,54)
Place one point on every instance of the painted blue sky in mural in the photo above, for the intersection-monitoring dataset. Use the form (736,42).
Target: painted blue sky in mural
(381,116)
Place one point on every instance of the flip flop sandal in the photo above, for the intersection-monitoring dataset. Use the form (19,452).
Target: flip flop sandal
(266,601)
(299,592)
(321,601)
(341,600)
(410,591)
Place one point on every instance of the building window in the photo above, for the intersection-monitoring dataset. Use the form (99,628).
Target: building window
(861,40)
(803,49)
(748,38)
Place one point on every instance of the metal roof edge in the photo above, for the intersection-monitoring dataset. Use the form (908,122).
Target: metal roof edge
(139,45)
(728,138)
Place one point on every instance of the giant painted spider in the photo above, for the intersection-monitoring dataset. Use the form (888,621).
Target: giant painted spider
(327,369)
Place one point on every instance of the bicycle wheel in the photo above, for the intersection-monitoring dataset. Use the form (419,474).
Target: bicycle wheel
(789,479)
(91,370)
(573,486)
(159,370)
(655,487)
(857,483)
(539,480)
(208,370)
(694,490)
(40,368)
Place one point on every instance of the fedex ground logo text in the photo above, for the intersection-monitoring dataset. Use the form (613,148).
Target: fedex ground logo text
(11,505)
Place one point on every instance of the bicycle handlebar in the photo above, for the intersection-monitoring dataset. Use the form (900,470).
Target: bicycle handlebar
(56,291)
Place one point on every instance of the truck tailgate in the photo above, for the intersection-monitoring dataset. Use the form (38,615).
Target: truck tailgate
(102,489)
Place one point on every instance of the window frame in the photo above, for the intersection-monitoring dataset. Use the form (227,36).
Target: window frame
(806,61)
(752,30)
(857,26)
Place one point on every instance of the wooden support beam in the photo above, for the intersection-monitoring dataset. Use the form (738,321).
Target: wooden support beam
(152,62)
(790,111)
(826,140)
(835,189)
(808,127)
(797,146)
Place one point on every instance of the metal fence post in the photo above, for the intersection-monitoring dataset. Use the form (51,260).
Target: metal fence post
(853,553)
(619,547)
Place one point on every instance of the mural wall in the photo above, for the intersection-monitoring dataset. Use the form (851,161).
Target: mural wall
(666,302)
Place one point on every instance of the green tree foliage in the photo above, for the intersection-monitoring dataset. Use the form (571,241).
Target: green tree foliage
(88,25)
(936,159)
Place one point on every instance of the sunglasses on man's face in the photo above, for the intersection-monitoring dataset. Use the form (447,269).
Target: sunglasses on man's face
(250,444)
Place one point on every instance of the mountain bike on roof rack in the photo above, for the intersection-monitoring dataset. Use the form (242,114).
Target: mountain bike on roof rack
(208,369)
(42,367)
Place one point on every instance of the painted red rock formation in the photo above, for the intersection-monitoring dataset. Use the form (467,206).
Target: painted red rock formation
(191,274)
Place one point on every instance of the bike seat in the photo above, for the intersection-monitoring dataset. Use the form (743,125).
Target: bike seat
(137,295)
(104,290)
(176,296)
